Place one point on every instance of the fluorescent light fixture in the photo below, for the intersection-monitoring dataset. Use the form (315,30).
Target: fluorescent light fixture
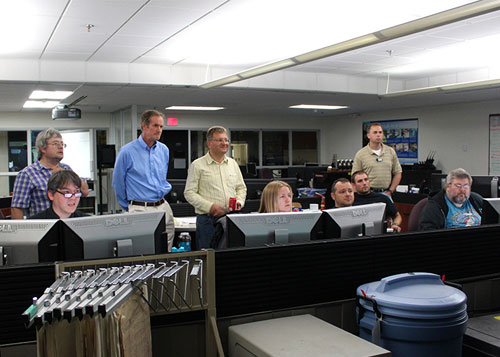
(337,48)
(189,107)
(40,104)
(222,81)
(50,94)
(403,29)
(271,67)
(446,87)
(316,106)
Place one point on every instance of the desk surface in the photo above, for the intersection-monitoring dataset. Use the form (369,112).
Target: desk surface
(298,336)
(185,224)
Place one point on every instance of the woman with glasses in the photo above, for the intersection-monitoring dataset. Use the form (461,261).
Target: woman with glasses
(64,192)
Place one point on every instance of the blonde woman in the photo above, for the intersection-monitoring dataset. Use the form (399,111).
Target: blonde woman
(276,197)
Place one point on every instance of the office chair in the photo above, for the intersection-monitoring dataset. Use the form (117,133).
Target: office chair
(415,213)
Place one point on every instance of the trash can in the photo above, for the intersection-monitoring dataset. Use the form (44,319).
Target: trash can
(413,314)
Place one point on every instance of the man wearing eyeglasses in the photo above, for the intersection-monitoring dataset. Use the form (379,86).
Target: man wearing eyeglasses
(212,180)
(455,206)
(379,161)
(30,188)
(64,192)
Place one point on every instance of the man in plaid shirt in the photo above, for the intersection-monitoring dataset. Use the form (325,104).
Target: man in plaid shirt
(30,188)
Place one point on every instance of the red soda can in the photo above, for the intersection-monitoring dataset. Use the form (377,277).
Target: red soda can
(232,204)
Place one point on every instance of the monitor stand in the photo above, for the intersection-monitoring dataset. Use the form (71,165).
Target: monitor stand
(281,236)
(368,229)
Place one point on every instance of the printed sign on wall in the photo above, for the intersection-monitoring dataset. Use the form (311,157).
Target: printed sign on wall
(494,158)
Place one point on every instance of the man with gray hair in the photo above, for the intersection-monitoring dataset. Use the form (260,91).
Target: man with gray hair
(30,188)
(453,207)
(140,174)
(212,180)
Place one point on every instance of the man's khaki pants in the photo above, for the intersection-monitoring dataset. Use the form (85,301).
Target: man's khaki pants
(169,218)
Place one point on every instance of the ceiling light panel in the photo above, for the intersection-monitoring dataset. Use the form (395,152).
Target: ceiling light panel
(52,94)
(186,107)
(40,104)
(317,106)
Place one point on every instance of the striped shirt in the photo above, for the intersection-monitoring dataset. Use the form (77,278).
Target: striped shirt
(30,188)
(380,169)
(210,182)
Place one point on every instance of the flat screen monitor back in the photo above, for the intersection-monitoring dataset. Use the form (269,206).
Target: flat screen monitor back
(108,236)
(30,241)
(257,229)
(438,182)
(491,211)
(354,221)
(482,185)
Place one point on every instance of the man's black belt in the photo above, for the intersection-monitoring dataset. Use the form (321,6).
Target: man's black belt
(148,204)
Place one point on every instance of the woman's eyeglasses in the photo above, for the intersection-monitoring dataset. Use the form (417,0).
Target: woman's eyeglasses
(69,194)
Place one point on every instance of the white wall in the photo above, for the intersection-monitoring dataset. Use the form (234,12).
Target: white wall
(42,120)
(458,132)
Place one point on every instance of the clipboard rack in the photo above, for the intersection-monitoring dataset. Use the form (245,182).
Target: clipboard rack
(169,284)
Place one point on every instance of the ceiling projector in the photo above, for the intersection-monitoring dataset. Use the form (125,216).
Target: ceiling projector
(66,113)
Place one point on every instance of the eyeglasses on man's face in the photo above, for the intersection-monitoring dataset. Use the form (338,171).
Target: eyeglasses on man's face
(58,144)
(221,140)
(68,195)
(460,186)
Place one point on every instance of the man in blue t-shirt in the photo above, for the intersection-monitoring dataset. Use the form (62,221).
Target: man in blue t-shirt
(455,206)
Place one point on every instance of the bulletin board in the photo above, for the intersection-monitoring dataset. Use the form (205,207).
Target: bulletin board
(401,135)
(494,155)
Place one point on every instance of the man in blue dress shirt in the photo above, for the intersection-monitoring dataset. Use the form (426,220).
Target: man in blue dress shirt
(140,174)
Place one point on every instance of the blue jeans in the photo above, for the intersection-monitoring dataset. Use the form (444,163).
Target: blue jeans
(204,230)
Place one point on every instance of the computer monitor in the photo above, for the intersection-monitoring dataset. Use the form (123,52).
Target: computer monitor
(485,186)
(438,182)
(251,169)
(257,229)
(115,235)
(29,241)
(491,211)
(354,221)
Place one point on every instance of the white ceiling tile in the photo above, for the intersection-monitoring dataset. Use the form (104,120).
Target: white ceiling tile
(118,53)
(66,56)
(133,41)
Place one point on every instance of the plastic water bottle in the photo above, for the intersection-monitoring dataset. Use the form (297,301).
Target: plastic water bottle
(185,241)
(494,187)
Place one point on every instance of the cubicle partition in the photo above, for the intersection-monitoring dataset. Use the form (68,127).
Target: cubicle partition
(279,277)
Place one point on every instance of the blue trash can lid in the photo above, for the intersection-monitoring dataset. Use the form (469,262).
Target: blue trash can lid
(412,294)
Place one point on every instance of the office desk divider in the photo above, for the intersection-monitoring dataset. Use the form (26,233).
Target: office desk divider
(163,284)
